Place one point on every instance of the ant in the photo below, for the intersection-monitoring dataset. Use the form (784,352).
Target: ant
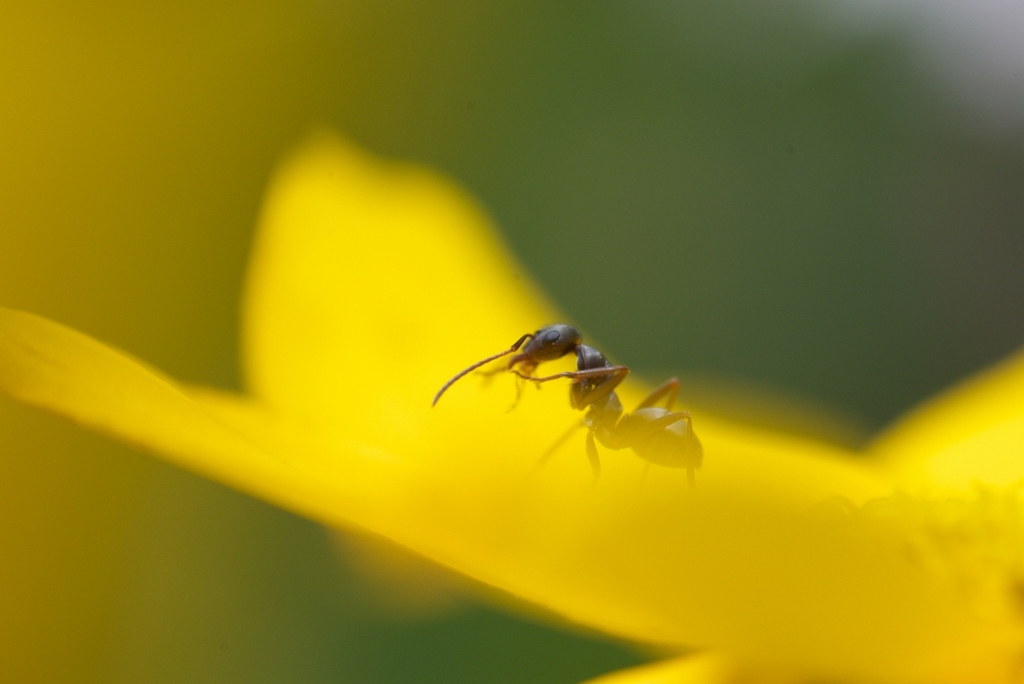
(657,435)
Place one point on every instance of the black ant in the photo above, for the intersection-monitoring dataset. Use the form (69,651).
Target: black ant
(658,435)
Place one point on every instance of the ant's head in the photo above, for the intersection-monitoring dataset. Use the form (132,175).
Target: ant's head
(549,343)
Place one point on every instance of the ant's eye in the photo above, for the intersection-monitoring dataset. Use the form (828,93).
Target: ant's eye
(551,336)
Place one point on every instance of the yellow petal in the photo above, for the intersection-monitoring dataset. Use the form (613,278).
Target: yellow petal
(972,433)
(697,669)
(369,285)
(373,283)
(703,668)
(47,365)
(724,564)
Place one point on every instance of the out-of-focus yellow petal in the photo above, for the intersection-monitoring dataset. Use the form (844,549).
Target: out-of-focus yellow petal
(703,668)
(47,365)
(399,583)
(697,669)
(972,433)
(370,284)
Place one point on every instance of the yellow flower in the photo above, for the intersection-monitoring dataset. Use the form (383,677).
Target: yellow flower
(372,283)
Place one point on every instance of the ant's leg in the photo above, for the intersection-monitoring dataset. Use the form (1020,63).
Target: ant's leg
(576,375)
(669,387)
(595,459)
(660,424)
(519,395)
(553,449)
(613,376)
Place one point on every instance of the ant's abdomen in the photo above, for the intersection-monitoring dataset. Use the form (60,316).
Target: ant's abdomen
(673,446)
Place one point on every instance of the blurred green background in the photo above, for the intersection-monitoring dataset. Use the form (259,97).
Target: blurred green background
(740,194)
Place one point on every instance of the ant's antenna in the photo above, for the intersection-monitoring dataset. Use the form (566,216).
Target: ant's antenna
(514,348)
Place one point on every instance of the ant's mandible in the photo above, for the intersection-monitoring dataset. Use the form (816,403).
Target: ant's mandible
(658,435)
